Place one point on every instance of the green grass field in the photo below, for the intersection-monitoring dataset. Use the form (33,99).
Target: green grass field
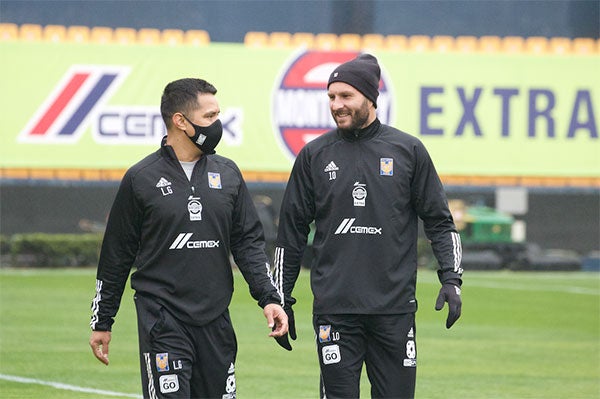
(522,335)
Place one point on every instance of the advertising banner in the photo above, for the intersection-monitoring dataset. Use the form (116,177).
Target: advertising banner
(97,106)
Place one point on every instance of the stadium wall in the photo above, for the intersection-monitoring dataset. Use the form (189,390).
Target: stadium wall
(56,179)
(555,220)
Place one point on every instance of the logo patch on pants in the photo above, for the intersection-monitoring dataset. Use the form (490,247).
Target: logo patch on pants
(331,354)
(162,362)
(325,333)
(411,354)
(168,383)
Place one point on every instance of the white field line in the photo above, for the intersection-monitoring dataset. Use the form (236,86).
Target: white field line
(66,387)
(525,287)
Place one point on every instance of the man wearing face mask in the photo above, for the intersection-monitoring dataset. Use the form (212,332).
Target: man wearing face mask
(177,216)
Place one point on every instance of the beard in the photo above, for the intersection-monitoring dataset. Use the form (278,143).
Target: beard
(358,118)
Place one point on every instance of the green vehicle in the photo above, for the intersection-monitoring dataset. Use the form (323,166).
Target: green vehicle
(486,225)
(487,239)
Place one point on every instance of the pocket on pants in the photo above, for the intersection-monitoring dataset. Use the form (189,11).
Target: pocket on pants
(150,315)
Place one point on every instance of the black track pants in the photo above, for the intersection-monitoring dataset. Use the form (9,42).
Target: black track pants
(384,343)
(182,361)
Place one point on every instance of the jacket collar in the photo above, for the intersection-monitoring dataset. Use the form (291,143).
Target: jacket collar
(360,134)
(166,149)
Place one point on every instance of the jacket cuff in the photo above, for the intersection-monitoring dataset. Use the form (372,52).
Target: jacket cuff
(450,277)
(268,299)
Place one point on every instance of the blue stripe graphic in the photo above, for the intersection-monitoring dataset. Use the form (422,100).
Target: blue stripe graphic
(87,104)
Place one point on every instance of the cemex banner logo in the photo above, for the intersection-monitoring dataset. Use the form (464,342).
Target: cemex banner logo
(300,104)
(79,102)
(77,97)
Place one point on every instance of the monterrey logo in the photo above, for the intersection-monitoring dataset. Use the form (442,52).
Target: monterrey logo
(63,116)
(300,110)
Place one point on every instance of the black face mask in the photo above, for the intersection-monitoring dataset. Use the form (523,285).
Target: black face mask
(206,138)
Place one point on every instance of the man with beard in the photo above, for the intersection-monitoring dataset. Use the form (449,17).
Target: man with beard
(365,185)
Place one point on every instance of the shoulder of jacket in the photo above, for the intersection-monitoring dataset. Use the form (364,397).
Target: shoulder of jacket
(320,143)
(221,160)
(147,162)
(402,136)
(395,137)
(225,163)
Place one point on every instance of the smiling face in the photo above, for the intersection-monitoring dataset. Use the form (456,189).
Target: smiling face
(349,108)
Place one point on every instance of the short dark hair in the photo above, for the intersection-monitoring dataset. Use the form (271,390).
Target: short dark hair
(182,96)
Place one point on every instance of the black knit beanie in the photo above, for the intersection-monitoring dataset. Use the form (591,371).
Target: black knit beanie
(362,73)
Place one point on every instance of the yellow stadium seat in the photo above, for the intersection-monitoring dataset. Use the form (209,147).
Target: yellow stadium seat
(584,45)
(172,37)
(513,44)
(560,45)
(466,44)
(280,39)
(303,39)
(196,37)
(349,42)
(396,42)
(148,36)
(9,32)
(101,34)
(536,45)
(372,41)
(419,43)
(16,173)
(256,39)
(55,33)
(78,34)
(326,41)
(489,44)
(30,32)
(443,44)
(125,36)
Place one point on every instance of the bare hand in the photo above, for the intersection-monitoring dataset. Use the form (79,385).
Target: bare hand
(99,343)
(277,320)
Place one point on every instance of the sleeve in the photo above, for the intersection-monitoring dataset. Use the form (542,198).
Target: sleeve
(248,249)
(430,202)
(296,214)
(117,255)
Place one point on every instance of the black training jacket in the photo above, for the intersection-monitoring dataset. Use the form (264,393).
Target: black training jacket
(365,192)
(183,263)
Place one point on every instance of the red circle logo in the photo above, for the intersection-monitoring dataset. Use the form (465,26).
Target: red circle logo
(300,104)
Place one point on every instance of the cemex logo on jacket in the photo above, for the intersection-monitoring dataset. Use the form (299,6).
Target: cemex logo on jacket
(183,241)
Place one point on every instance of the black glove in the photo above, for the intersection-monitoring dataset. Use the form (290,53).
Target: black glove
(449,293)
(284,341)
